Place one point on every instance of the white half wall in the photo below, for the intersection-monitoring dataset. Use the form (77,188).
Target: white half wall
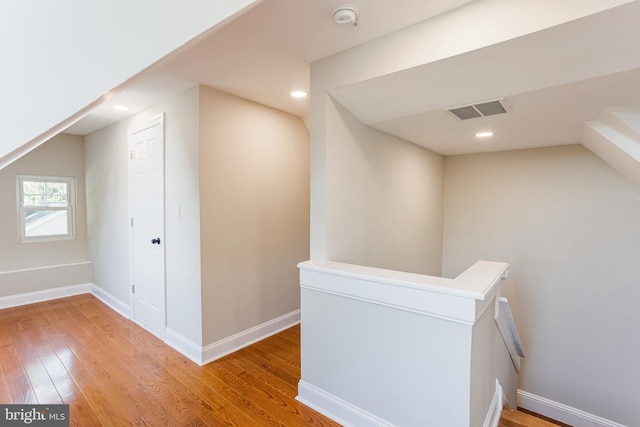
(366,354)
(382,347)
(567,223)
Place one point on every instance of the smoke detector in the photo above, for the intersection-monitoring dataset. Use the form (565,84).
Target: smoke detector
(346,15)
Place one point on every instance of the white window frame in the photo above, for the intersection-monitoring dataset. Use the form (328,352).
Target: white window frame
(70,208)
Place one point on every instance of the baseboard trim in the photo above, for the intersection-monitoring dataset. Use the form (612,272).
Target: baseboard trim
(203,355)
(562,412)
(44,295)
(110,301)
(196,353)
(495,408)
(337,409)
(183,345)
(63,292)
(245,338)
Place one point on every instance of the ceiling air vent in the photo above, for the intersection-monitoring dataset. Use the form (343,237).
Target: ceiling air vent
(481,109)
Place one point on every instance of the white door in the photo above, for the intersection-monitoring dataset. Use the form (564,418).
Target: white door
(146,145)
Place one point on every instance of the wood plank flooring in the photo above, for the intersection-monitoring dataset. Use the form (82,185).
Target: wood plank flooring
(113,373)
(520,418)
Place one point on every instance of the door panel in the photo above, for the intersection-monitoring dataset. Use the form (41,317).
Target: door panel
(147,208)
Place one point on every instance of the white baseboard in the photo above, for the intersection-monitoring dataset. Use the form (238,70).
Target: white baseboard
(337,409)
(196,353)
(211,352)
(240,340)
(495,408)
(183,345)
(109,300)
(63,292)
(561,412)
(44,295)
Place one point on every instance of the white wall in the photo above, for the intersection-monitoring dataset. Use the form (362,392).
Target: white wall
(108,209)
(65,55)
(564,222)
(254,198)
(182,232)
(568,225)
(490,361)
(333,135)
(385,361)
(61,156)
(384,198)
(479,24)
(108,212)
(248,166)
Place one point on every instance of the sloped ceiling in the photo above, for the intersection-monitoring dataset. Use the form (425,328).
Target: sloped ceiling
(553,79)
(264,54)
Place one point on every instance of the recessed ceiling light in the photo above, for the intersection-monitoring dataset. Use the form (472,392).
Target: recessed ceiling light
(484,134)
(120,107)
(299,94)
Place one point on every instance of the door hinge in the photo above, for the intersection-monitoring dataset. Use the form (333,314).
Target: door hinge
(132,222)
(130,154)
(133,289)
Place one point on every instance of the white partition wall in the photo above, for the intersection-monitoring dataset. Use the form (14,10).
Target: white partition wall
(382,347)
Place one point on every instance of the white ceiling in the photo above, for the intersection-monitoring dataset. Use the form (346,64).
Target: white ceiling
(265,53)
(544,117)
(142,93)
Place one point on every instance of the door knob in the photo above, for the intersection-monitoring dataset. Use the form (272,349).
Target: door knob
(155,241)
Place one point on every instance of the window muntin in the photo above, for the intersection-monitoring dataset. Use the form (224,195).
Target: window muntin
(46,207)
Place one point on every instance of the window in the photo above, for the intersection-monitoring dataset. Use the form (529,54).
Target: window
(46,208)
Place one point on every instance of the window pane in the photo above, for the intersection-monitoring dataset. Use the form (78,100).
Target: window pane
(45,223)
(33,200)
(33,193)
(44,193)
(56,193)
(32,187)
(46,208)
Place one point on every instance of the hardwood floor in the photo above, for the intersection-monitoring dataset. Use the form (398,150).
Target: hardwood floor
(523,418)
(111,372)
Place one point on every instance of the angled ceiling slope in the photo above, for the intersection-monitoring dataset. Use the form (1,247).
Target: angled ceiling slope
(615,138)
(265,53)
(554,80)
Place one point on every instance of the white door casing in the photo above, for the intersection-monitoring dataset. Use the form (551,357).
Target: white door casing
(146,201)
